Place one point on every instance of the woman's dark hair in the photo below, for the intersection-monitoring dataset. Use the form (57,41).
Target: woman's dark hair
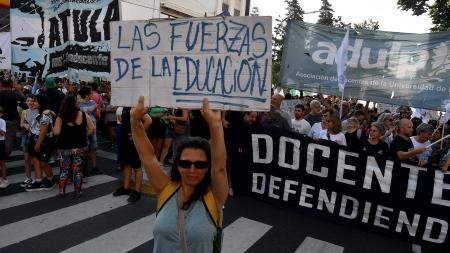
(194,143)
(69,109)
(44,103)
(126,115)
(85,91)
(337,124)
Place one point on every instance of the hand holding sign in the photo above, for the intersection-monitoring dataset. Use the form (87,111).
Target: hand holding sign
(139,111)
(211,116)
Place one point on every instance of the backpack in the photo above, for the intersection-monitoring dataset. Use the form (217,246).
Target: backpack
(207,199)
(99,101)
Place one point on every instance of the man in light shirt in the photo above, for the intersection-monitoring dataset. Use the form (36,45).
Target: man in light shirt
(422,139)
(299,124)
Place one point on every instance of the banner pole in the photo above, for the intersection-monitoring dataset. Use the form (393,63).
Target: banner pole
(342,102)
(441,139)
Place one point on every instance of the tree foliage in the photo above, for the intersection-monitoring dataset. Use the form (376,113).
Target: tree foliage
(255,11)
(294,12)
(326,14)
(339,23)
(367,25)
(418,7)
(439,11)
(440,15)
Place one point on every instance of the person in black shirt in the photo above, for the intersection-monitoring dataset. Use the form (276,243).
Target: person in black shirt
(9,100)
(374,145)
(354,136)
(402,148)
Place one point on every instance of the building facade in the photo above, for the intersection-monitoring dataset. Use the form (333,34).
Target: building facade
(154,9)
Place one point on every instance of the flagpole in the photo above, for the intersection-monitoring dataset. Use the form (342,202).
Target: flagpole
(440,140)
(341,65)
(342,102)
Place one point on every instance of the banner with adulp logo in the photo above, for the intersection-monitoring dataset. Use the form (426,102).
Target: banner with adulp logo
(5,50)
(388,67)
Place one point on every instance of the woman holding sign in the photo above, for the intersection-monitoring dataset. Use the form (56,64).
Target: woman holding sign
(190,200)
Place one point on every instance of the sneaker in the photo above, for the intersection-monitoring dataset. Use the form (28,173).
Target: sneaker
(26,182)
(35,186)
(4,183)
(48,184)
(77,194)
(121,191)
(96,171)
(134,196)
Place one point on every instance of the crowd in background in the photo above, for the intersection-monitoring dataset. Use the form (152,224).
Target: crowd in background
(48,114)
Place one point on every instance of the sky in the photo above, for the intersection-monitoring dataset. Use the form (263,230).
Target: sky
(386,12)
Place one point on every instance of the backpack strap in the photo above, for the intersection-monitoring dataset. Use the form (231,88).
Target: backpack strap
(213,210)
(169,190)
(208,201)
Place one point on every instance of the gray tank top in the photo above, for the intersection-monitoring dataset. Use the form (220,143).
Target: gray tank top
(200,229)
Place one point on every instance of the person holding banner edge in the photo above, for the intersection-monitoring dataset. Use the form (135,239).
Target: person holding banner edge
(194,193)
(402,148)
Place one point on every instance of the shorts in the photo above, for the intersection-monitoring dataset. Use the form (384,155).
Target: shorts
(170,133)
(157,130)
(129,155)
(2,150)
(46,148)
(24,142)
(92,141)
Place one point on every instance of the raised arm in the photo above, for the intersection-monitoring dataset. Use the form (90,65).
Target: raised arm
(219,178)
(57,126)
(89,125)
(158,179)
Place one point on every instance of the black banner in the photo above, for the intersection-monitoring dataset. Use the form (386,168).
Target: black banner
(62,36)
(323,178)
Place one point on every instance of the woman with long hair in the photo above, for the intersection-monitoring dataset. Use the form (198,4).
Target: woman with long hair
(190,200)
(334,128)
(72,126)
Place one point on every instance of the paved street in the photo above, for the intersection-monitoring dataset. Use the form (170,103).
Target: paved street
(99,222)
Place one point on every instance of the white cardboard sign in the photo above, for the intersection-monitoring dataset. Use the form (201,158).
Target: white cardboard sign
(176,63)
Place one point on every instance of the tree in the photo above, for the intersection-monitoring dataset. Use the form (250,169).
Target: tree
(367,25)
(326,14)
(439,11)
(440,15)
(337,22)
(294,12)
(255,11)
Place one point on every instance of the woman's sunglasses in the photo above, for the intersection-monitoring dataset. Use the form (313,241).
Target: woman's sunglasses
(186,164)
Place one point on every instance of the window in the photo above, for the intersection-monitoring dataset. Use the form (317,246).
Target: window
(237,12)
(225,7)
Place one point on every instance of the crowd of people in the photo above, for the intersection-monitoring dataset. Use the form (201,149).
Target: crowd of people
(55,114)
(395,135)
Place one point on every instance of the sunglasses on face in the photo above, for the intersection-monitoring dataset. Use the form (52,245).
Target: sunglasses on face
(186,164)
